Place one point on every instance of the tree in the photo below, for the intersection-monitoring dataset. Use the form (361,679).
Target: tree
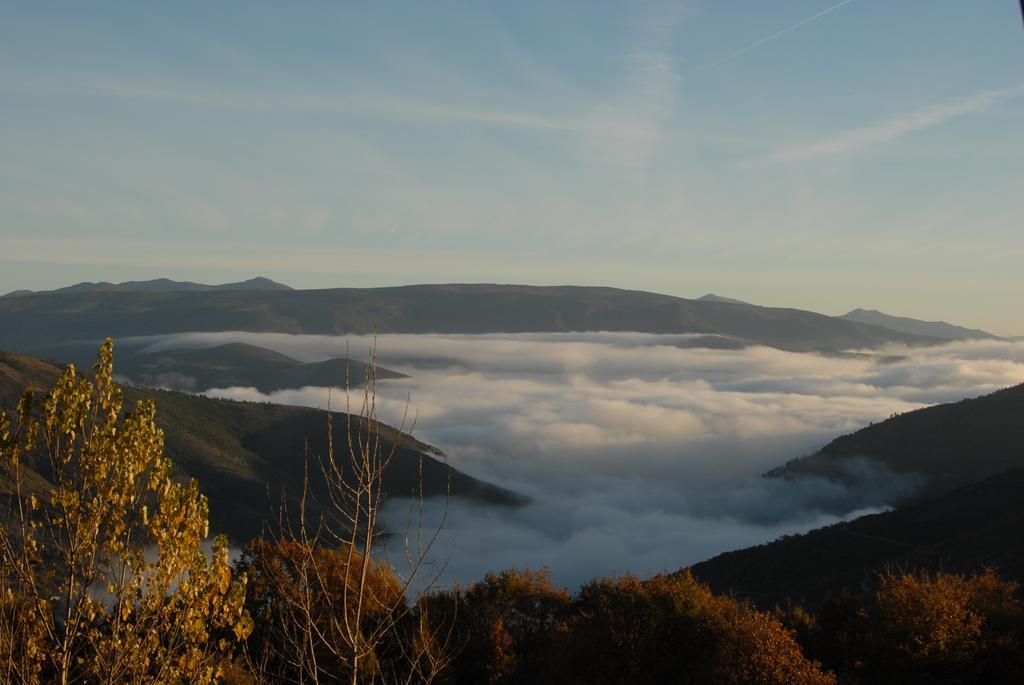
(673,629)
(292,597)
(104,576)
(508,625)
(948,627)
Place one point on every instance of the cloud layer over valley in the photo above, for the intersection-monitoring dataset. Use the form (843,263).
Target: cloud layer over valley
(638,453)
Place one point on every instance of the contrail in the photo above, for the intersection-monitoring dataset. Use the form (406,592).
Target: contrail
(772,37)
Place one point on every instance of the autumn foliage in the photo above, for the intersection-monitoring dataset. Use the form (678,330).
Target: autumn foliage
(105,578)
(518,628)
(287,585)
(920,627)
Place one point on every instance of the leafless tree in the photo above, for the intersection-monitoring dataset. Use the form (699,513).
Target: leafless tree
(341,601)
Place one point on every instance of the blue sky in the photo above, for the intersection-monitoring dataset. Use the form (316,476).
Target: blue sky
(817,154)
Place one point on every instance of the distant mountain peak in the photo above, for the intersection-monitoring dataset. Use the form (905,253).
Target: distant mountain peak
(264,283)
(711,297)
(156,285)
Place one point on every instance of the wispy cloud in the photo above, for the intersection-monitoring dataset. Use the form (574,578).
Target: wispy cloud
(359,104)
(644,102)
(856,139)
(768,39)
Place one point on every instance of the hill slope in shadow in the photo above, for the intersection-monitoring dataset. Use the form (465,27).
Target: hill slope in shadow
(247,455)
(238,365)
(962,531)
(950,445)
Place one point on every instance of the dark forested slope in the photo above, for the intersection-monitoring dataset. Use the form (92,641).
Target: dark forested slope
(949,444)
(965,530)
(969,513)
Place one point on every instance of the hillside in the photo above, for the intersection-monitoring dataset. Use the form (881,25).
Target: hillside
(961,531)
(224,366)
(31,323)
(934,329)
(949,444)
(244,454)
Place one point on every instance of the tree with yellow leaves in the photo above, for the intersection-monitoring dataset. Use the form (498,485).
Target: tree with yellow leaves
(104,575)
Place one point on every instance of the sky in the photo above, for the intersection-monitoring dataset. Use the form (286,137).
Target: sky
(808,153)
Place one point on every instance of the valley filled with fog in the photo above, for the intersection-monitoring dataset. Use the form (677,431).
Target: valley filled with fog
(637,452)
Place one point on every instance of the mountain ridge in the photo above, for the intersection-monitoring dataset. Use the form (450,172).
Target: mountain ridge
(28,324)
(155,285)
(906,324)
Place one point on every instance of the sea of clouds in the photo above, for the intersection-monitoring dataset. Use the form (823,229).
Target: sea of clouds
(637,452)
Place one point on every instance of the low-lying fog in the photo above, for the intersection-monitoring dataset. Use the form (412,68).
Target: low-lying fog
(637,453)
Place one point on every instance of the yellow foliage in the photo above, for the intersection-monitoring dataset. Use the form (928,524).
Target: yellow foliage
(940,620)
(109,568)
